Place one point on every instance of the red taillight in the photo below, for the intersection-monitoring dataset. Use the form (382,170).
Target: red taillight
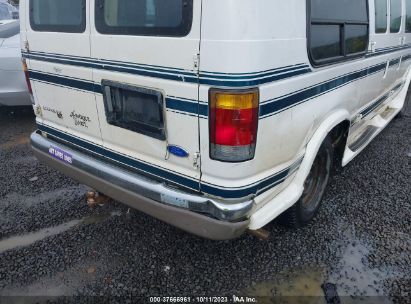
(26,73)
(233,124)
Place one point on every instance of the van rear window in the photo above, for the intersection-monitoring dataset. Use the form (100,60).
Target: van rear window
(58,15)
(144,17)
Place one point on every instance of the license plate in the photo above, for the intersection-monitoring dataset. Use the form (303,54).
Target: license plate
(60,154)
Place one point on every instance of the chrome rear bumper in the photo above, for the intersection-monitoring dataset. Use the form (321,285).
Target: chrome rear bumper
(195,213)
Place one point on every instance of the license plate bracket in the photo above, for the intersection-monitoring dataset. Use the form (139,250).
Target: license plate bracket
(135,108)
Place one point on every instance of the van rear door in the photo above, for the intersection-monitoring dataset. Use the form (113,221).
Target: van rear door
(145,54)
(56,36)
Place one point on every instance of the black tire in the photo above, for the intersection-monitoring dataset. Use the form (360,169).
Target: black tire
(307,206)
(405,111)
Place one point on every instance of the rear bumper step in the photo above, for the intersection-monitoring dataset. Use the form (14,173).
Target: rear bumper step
(172,206)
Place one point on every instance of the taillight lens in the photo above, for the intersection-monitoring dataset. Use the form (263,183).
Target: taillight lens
(233,124)
(26,73)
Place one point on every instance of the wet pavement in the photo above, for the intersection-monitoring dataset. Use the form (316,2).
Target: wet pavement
(358,249)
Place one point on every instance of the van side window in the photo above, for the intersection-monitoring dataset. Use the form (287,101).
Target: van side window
(144,17)
(395,16)
(338,30)
(381,14)
(58,15)
(408,16)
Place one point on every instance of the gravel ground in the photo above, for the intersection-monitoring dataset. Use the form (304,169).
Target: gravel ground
(52,244)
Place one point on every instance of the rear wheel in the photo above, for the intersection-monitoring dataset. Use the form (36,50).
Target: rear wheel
(314,188)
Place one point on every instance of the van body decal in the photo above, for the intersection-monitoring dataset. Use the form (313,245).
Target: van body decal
(267,108)
(280,104)
(171,176)
(74,83)
(253,79)
(187,106)
(80,119)
(387,50)
(206,78)
(175,104)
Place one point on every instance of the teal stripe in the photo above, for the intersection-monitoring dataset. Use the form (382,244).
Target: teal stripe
(267,108)
(285,102)
(206,78)
(171,176)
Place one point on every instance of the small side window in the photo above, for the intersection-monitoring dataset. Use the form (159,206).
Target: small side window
(356,38)
(381,14)
(338,30)
(395,16)
(408,16)
(325,41)
(58,15)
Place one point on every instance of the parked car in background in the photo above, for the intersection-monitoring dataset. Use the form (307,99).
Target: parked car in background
(13,86)
(8,11)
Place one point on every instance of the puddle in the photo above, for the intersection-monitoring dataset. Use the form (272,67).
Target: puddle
(356,278)
(46,289)
(28,201)
(352,278)
(31,238)
(17,141)
(300,286)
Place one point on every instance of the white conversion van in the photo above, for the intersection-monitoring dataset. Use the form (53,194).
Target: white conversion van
(215,116)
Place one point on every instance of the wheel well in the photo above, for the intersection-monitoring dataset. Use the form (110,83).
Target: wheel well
(339,135)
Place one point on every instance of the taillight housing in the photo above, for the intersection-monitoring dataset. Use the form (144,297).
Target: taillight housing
(233,122)
(26,73)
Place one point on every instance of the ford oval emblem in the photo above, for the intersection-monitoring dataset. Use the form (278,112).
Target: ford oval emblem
(177,151)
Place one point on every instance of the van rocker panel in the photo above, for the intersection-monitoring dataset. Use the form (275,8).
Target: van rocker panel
(175,207)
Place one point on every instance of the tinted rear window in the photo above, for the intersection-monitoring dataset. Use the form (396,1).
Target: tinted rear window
(144,17)
(58,15)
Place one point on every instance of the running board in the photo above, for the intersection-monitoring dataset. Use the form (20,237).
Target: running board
(374,127)
(363,139)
